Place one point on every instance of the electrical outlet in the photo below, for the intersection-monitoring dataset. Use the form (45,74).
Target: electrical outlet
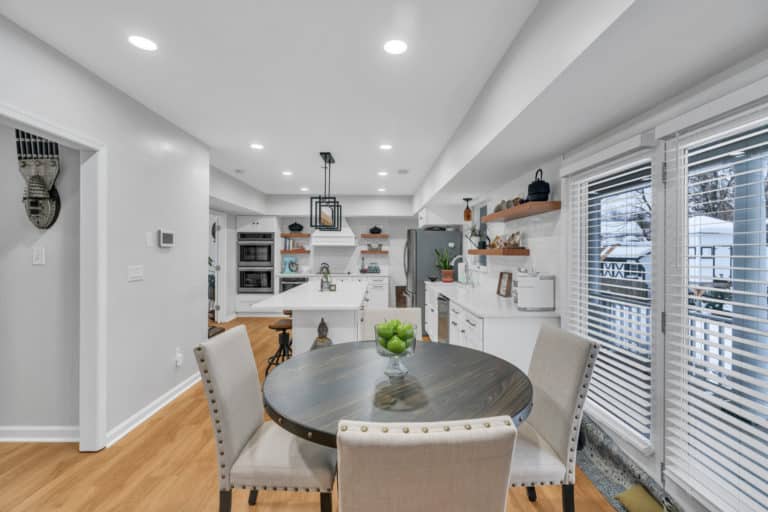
(179,357)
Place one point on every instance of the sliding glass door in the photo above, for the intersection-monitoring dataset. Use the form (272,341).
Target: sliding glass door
(716,379)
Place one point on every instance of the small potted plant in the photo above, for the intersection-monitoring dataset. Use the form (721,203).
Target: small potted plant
(444,264)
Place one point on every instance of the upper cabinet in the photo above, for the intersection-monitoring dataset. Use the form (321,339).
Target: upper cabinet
(440,216)
(256,224)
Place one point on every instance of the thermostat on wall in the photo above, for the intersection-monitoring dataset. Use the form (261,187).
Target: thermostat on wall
(166,238)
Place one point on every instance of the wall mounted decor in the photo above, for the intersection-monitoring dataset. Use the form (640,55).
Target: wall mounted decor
(39,165)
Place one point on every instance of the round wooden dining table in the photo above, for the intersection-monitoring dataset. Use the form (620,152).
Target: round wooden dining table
(310,393)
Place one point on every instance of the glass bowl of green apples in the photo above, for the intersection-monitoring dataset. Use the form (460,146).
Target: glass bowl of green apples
(395,340)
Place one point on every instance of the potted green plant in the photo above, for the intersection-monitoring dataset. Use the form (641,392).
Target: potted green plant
(444,264)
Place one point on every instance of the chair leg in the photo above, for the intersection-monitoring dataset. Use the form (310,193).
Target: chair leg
(568,501)
(531,493)
(225,501)
(253,497)
(326,502)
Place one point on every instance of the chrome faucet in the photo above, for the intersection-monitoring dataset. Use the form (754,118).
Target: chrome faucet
(325,280)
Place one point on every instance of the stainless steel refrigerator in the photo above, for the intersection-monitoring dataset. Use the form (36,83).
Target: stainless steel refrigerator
(420,261)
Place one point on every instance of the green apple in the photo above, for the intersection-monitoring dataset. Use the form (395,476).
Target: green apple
(382,341)
(396,345)
(385,330)
(405,331)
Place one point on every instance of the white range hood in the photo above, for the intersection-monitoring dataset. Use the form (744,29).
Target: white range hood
(343,238)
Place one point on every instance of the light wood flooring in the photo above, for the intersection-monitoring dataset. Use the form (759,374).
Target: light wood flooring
(168,464)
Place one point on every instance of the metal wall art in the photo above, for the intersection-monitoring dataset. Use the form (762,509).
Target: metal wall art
(39,165)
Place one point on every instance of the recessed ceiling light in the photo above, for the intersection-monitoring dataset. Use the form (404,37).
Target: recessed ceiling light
(382,190)
(385,147)
(382,173)
(257,146)
(305,189)
(142,43)
(395,47)
(287,173)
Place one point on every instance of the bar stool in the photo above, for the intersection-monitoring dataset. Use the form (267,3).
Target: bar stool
(284,349)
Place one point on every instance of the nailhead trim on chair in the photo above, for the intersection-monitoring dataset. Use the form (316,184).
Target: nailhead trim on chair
(570,476)
(225,485)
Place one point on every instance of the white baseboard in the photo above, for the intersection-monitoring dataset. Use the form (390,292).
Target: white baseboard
(39,434)
(148,411)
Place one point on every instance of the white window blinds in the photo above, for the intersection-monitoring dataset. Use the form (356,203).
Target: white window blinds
(609,291)
(716,360)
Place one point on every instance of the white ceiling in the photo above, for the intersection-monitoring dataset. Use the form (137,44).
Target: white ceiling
(298,77)
(655,50)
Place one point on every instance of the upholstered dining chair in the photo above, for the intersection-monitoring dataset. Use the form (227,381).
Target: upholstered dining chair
(377,316)
(254,454)
(447,466)
(560,371)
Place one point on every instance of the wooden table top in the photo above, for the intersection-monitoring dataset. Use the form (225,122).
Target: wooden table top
(310,393)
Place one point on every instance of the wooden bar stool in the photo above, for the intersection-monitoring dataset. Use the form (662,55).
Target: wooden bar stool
(284,349)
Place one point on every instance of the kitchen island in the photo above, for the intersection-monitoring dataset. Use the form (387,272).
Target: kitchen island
(341,310)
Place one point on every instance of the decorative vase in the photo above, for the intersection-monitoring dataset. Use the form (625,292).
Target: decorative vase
(446,275)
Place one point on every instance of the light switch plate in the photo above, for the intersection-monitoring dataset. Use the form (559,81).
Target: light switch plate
(38,255)
(135,273)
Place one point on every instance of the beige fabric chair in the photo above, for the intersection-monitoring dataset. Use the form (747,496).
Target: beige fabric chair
(450,466)
(560,371)
(377,316)
(254,454)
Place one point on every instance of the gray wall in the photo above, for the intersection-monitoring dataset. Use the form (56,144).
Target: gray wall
(39,310)
(157,176)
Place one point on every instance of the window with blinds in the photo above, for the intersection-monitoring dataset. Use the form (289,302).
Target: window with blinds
(716,359)
(610,292)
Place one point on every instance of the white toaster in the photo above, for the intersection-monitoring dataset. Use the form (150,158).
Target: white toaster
(535,292)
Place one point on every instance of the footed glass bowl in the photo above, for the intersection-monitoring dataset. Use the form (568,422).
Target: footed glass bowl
(395,348)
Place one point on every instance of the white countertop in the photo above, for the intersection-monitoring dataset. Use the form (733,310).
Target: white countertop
(484,302)
(356,274)
(308,297)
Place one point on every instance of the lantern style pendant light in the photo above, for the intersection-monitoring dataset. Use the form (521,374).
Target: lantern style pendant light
(325,209)
(467,210)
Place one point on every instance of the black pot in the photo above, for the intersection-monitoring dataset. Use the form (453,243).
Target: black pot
(538,190)
(375,230)
(295,227)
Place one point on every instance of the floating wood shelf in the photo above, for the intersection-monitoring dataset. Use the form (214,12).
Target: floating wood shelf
(523,210)
(522,251)
(294,251)
(374,235)
(294,235)
(373,252)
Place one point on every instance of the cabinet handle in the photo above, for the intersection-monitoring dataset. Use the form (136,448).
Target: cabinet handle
(470,323)
(454,323)
(463,331)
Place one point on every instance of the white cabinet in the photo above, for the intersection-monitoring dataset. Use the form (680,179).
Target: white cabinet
(256,224)
(456,324)
(378,292)
(439,216)
(472,331)
(430,313)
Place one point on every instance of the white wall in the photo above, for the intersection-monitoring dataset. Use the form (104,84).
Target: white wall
(39,310)
(157,176)
(232,195)
(543,234)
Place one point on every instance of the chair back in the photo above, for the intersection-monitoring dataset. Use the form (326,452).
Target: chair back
(232,388)
(377,316)
(447,466)
(560,371)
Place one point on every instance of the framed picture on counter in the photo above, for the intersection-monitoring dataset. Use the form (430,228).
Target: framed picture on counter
(504,288)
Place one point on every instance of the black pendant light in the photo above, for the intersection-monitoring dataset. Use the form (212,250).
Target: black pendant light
(325,209)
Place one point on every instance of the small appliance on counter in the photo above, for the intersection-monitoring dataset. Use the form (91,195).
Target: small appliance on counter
(534,292)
